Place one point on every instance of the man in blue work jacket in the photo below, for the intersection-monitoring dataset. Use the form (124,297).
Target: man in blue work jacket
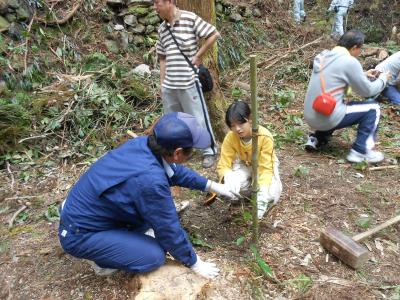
(126,193)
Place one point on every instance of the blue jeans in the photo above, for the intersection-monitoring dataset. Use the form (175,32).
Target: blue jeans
(118,248)
(366,115)
(393,94)
(298,10)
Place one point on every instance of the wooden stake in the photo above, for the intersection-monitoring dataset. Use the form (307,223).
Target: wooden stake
(254,145)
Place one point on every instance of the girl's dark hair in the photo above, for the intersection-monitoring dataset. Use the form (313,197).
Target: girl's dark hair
(238,112)
(160,150)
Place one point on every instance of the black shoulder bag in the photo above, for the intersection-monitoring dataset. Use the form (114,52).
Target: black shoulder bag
(202,72)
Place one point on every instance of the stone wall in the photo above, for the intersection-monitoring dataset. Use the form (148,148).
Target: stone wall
(13,12)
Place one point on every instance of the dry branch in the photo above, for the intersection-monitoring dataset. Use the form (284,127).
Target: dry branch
(280,57)
(27,43)
(65,19)
(383,168)
(14,216)
(11,175)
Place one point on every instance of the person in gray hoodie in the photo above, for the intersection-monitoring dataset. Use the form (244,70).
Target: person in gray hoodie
(339,70)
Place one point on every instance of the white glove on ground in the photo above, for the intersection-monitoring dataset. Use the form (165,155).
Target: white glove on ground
(221,189)
(206,269)
(233,181)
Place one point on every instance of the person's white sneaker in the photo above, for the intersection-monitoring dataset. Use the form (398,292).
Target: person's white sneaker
(311,144)
(100,271)
(371,156)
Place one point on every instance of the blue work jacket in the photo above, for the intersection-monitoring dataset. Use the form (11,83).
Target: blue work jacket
(129,188)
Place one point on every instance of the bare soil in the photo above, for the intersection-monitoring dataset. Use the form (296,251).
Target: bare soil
(332,193)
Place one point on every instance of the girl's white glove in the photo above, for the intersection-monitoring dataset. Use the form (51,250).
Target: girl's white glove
(233,181)
(206,269)
(221,189)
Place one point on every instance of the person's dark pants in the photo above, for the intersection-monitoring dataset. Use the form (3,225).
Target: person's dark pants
(366,114)
(116,249)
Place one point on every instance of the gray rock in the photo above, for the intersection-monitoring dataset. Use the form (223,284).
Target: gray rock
(14,31)
(11,17)
(4,24)
(3,6)
(140,2)
(3,87)
(138,40)
(130,20)
(247,13)
(257,13)
(142,70)
(152,13)
(119,27)
(124,38)
(22,14)
(153,35)
(219,8)
(235,17)
(149,29)
(139,10)
(150,20)
(139,28)
(13,3)
(112,46)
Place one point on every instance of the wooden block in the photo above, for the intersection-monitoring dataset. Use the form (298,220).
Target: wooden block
(343,247)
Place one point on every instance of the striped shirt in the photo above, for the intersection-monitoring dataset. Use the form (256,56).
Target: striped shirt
(188,29)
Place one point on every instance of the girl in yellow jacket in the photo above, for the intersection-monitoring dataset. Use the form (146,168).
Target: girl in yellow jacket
(234,166)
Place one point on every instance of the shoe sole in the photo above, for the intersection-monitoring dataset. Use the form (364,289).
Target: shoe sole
(368,161)
(310,148)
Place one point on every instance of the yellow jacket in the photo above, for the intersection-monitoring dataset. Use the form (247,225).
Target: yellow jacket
(233,148)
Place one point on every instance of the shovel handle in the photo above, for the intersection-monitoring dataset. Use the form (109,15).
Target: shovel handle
(361,236)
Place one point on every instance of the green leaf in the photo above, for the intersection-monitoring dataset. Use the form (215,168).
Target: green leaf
(301,171)
(266,269)
(361,165)
(52,214)
(302,283)
(247,216)
(196,240)
(22,217)
(240,240)
(59,52)
(364,222)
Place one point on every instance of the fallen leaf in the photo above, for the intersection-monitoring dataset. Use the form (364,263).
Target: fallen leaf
(379,246)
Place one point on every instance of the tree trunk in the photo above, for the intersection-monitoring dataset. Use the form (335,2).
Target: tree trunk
(215,99)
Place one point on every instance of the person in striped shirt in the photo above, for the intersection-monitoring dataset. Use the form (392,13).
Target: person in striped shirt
(180,88)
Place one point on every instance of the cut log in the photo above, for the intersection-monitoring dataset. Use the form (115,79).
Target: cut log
(170,282)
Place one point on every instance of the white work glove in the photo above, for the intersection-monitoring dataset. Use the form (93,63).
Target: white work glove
(263,201)
(233,181)
(222,190)
(206,269)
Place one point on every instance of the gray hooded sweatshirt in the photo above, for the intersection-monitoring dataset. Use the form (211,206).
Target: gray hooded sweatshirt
(339,69)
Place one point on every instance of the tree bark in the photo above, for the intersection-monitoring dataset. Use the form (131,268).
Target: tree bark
(215,99)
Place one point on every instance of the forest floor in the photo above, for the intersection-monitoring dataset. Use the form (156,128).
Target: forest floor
(319,189)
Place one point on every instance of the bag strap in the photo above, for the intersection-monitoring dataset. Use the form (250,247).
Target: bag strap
(323,81)
(177,45)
